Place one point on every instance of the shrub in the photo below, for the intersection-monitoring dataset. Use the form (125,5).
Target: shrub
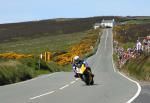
(84,49)
(15,56)
(14,71)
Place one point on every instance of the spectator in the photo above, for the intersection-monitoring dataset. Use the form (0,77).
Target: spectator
(138,46)
(148,46)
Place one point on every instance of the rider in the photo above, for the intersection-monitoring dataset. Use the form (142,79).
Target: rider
(77,61)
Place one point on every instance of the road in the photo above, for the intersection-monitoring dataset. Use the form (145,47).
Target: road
(110,85)
(144,96)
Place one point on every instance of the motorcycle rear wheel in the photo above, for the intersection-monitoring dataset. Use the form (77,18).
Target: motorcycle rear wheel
(92,82)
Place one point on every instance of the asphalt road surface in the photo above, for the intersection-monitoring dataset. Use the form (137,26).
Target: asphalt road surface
(110,85)
(144,96)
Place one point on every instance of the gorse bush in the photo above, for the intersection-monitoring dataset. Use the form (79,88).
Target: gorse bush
(84,48)
(15,56)
(15,67)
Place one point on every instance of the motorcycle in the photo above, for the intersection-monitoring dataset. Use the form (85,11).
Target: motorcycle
(85,74)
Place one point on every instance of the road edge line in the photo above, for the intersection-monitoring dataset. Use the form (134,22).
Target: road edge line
(29,80)
(106,39)
(72,82)
(138,85)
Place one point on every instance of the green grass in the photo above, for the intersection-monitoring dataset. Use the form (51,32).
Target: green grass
(115,58)
(12,71)
(139,68)
(40,72)
(137,21)
(42,44)
(38,37)
(94,50)
(128,45)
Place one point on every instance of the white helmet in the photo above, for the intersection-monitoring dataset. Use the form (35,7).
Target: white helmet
(76,58)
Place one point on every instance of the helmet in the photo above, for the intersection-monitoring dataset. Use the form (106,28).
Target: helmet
(76,58)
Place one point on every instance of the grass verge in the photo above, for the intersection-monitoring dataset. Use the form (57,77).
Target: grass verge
(139,68)
(127,35)
(14,70)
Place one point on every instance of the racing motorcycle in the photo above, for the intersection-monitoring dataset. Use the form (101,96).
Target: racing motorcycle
(85,74)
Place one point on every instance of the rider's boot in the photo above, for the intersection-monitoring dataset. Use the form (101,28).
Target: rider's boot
(76,75)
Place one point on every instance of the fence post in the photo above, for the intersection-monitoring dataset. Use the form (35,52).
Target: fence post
(39,62)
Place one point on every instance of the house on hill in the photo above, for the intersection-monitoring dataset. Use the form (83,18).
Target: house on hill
(108,23)
(97,25)
(105,24)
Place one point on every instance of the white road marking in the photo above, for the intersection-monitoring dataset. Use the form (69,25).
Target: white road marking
(53,91)
(112,57)
(64,87)
(113,65)
(77,79)
(137,93)
(106,39)
(135,96)
(72,82)
(42,95)
(138,85)
(23,82)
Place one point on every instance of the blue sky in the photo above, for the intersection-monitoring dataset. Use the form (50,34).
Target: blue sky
(27,10)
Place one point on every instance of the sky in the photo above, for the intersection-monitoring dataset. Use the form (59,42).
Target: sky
(28,10)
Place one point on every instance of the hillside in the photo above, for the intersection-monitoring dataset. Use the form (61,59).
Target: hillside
(131,32)
(29,30)
(21,44)
(137,64)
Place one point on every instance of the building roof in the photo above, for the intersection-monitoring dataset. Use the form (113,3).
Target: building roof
(104,21)
(97,24)
(107,21)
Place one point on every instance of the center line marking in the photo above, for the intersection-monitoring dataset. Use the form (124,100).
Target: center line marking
(77,79)
(64,87)
(72,82)
(53,91)
(106,39)
(42,95)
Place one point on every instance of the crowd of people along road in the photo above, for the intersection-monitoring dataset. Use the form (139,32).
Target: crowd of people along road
(140,47)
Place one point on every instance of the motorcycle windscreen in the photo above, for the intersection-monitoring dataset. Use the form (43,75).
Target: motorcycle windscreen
(81,70)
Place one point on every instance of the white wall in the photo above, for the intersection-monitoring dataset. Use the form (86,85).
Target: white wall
(107,24)
(95,27)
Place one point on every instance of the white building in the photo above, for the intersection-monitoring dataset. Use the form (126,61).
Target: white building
(97,25)
(105,23)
